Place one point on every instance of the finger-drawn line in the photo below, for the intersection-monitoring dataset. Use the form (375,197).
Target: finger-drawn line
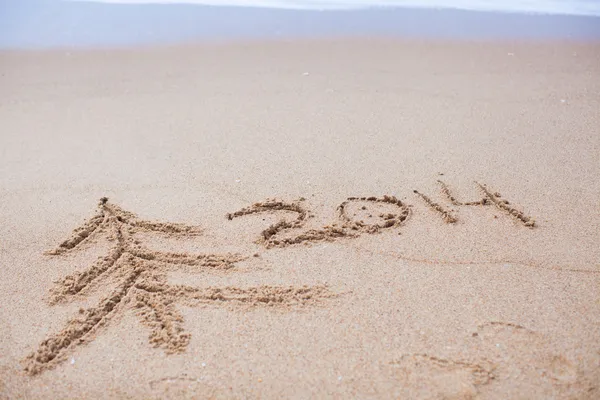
(504,206)
(143,285)
(446,215)
(399,256)
(346,228)
(448,193)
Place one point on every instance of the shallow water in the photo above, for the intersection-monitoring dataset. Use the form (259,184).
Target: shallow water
(48,24)
(572,7)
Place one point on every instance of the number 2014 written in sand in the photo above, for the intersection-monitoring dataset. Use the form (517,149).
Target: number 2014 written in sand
(136,276)
(350,226)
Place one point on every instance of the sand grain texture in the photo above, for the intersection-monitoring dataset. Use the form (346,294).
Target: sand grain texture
(411,219)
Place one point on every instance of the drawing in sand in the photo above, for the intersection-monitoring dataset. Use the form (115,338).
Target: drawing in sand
(142,286)
(139,273)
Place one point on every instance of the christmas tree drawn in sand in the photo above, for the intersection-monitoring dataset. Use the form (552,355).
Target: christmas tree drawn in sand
(143,287)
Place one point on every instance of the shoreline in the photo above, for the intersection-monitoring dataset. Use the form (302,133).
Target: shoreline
(274,42)
(538,8)
(81,25)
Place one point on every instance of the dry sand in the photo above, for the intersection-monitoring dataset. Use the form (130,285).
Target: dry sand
(229,261)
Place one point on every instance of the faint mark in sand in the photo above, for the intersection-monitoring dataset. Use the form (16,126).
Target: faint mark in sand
(141,279)
(3,389)
(530,357)
(500,263)
(347,227)
(170,381)
(500,324)
(502,353)
(186,387)
(431,377)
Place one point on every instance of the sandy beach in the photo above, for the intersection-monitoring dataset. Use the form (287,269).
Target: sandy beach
(334,218)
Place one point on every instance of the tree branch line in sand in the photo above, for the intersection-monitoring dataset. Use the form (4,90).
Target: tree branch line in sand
(140,274)
(142,285)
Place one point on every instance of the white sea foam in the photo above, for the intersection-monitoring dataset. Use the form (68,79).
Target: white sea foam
(565,7)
